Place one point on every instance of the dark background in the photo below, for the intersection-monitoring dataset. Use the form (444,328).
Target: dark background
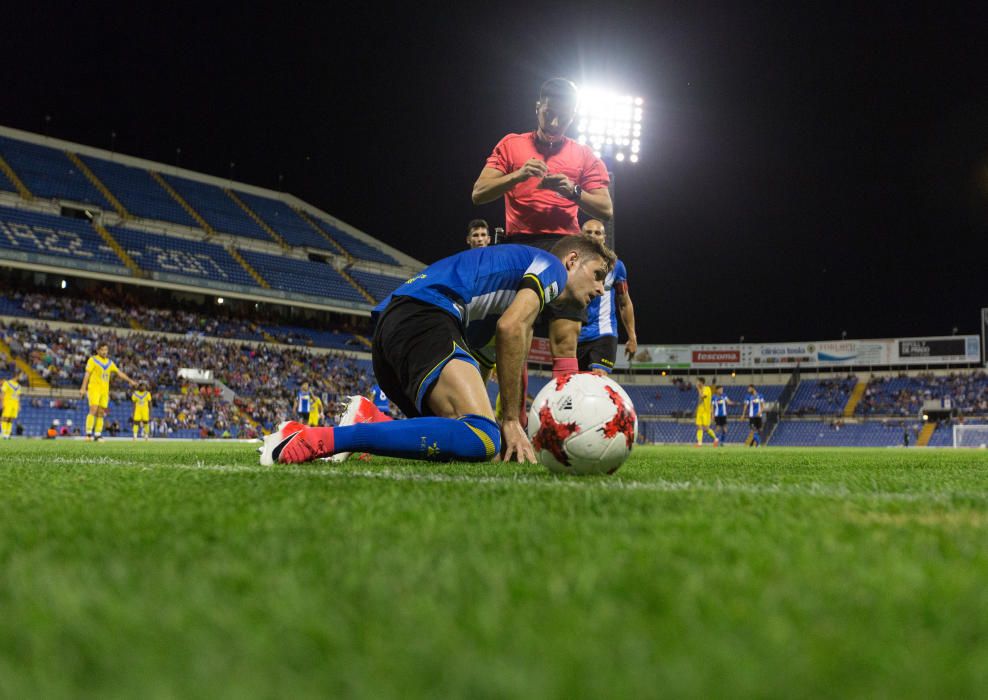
(805,171)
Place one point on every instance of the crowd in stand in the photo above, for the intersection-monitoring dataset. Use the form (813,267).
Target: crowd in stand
(263,377)
(965,394)
(829,397)
(126,311)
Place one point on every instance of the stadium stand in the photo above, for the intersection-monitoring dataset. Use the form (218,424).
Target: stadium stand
(138,192)
(904,396)
(839,434)
(74,242)
(355,247)
(182,257)
(49,174)
(302,276)
(669,432)
(129,311)
(286,222)
(217,208)
(264,376)
(679,398)
(824,396)
(5,183)
(379,286)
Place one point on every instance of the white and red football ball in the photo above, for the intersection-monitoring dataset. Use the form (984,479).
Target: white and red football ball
(582,424)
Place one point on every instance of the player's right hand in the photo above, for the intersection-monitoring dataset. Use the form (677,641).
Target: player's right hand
(515,442)
(532,168)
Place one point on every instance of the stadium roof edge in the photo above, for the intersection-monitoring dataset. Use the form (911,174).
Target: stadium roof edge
(165,169)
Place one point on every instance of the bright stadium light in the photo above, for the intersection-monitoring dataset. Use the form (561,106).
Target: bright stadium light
(610,123)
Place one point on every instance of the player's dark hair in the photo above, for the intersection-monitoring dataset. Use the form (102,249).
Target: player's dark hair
(558,89)
(751,386)
(477,223)
(584,245)
(701,380)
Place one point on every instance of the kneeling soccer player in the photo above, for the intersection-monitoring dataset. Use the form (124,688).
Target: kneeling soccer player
(429,334)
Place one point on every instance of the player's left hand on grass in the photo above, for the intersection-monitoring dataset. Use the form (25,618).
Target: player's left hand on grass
(516,443)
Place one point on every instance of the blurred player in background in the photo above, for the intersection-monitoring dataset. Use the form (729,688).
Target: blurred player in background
(703,408)
(597,348)
(754,407)
(546,179)
(478,235)
(142,409)
(11,391)
(303,402)
(430,336)
(380,399)
(315,410)
(96,385)
(721,403)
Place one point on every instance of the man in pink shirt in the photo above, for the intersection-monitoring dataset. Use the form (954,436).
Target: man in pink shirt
(546,178)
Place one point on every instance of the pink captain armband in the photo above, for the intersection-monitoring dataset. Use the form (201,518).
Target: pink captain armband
(561,366)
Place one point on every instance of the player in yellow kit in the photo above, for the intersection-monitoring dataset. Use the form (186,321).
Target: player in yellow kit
(96,385)
(704,397)
(315,410)
(11,391)
(142,409)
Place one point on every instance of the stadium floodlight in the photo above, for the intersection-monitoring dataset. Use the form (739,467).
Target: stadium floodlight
(610,123)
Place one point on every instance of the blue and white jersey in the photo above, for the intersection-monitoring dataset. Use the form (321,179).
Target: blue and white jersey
(754,404)
(380,399)
(303,401)
(478,285)
(719,402)
(602,311)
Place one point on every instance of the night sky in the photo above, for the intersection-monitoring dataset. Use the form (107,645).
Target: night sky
(804,171)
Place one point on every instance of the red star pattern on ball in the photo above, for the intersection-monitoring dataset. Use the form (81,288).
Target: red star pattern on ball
(623,420)
(552,434)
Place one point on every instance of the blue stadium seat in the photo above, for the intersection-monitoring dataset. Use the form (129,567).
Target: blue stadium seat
(49,174)
(217,208)
(302,276)
(181,256)
(822,434)
(379,286)
(826,397)
(5,183)
(668,432)
(285,222)
(356,247)
(140,195)
(298,335)
(671,400)
(73,241)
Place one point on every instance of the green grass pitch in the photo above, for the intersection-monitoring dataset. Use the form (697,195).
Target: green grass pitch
(187,570)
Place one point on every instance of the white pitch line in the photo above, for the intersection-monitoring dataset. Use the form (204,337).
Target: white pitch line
(812,489)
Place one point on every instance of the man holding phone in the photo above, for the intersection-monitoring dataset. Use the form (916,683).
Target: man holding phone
(546,178)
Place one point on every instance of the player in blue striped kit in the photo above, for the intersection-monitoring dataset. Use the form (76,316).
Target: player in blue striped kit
(303,402)
(596,350)
(754,407)
(720,403)
(434,335)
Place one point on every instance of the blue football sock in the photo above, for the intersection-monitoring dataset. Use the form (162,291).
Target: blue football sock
(471,438)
